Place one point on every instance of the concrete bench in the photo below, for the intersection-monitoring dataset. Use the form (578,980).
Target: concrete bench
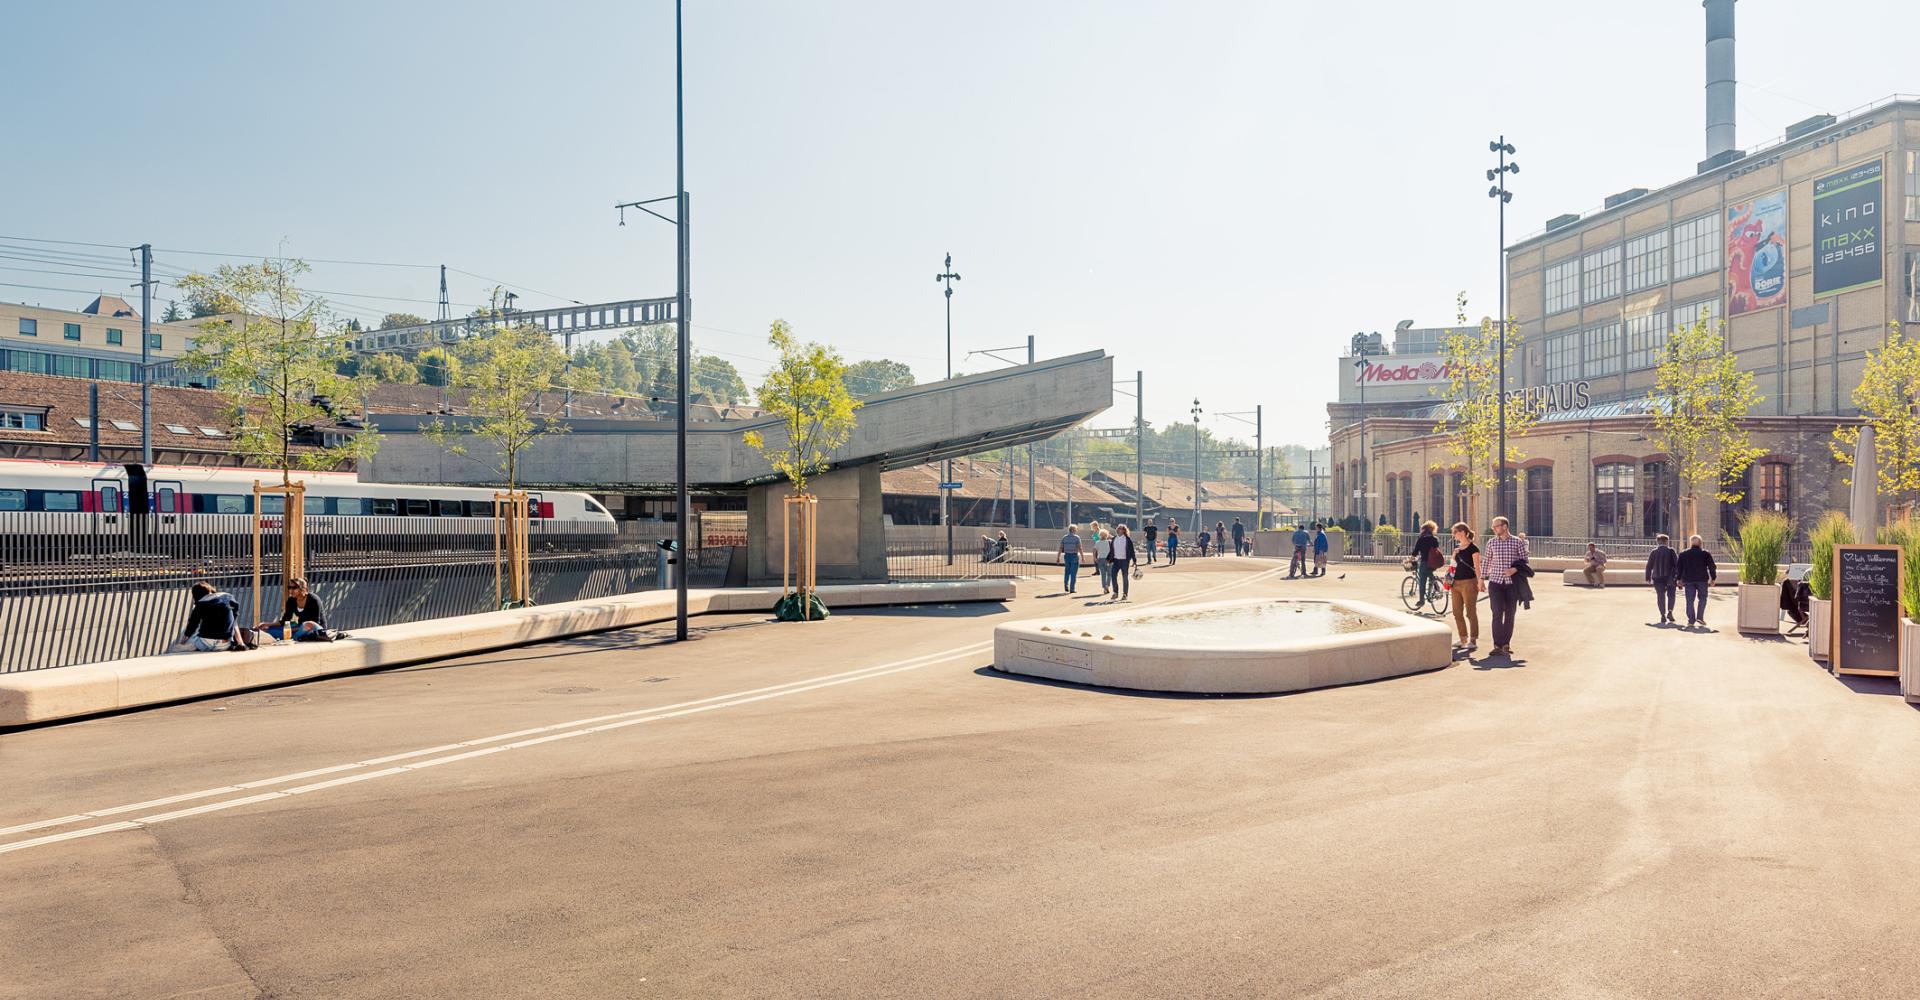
(91,688)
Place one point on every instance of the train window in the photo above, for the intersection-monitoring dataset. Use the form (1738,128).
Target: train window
(164,499)
(314,505)
(350,505)
(448,508)
(273,503)
(418,508)
(60,500)
(229,504)
(594,507)
(385,507)
(109,499)
(13,499)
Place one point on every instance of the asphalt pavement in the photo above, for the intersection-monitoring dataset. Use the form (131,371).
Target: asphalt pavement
(862,807)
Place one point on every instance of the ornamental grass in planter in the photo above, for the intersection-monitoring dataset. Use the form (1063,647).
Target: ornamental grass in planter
(1907,535)
(1832,529)
(1763,540)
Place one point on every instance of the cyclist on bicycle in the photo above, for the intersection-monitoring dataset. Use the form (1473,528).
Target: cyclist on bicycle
(1427,559)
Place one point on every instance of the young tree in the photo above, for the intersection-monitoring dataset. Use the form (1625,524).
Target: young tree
(391,369)
(871,378)
(717,377)
(1698,400)
(391,320)
(506,369)
(1471,419)
(173,313)
(807,391)
(437,366)
(277,365)
(1886,395)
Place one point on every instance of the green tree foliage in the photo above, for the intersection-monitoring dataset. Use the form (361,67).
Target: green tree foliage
(645,362)
(390,369)
(437,366)
(718,378)
(1471,420)
(391,320)
(277,363)
(871,378)
(1888,388)
(807,391)
(506,369)
(173,313)
(1699,399)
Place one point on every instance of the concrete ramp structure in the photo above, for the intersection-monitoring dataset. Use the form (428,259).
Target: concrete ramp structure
(931,422)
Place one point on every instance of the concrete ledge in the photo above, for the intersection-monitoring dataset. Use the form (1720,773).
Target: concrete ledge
(88,689)
(1632,578)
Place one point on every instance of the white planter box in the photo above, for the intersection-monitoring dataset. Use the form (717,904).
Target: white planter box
(1910,659)
(1759,608)
(1819,613)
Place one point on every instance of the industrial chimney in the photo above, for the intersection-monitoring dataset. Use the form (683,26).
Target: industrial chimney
(1720,136)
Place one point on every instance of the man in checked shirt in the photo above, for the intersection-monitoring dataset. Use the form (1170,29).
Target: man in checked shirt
(1496,568)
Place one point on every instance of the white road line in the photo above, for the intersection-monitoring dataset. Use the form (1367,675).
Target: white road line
(540,734)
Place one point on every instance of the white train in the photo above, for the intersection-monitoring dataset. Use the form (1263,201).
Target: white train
(94,496)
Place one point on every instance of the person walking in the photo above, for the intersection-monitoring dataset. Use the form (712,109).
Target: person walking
(1319,549)
(1663,567)
(1152,540)
(1697,573)
(1103,547)
(1122,556)
(1595,569)
(1300,543)
(1496,574)
(1427,559)
(1466,587)
(1173,541)
(1239,538)
(1070,556)
(1204,539)
(1219,538)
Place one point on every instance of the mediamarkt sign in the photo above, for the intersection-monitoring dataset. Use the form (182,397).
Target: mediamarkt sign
(1424,372)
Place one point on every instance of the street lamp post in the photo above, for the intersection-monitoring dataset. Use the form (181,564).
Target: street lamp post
(947,277)
(1259,458)
(1499,193)
(1196,465)
(682,506)
(1360,488)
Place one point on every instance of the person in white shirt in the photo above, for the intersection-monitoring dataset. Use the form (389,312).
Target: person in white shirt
(1102,548)
(1122,556)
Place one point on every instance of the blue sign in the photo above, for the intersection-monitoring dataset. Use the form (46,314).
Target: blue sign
(949,486)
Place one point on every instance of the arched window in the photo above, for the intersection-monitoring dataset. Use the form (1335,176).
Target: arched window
(1539,519)
(1772,491)
(1460,498)
(1406,503)
(1613,490)
(1437,497)
(1339,491)
(1731,513)
(1659,500)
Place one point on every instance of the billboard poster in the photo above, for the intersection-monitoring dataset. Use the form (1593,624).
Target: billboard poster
(1757,254)
(1846,230)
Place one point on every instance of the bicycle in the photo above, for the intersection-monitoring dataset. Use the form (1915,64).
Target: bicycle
(1440,593)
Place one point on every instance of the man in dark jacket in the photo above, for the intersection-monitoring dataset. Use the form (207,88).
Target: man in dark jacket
(211,624)
(1662,567)
(1153,540)
(1697,572)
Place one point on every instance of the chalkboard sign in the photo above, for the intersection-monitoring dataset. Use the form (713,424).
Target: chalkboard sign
(1866,610)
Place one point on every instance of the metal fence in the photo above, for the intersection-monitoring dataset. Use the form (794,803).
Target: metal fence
(914,560)
(76,588)
(1620,551)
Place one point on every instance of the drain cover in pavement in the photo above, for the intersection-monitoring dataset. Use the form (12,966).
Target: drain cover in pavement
(568,690)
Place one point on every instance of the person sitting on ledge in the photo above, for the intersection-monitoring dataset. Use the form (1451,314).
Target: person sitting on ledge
(302,620)
(214,621)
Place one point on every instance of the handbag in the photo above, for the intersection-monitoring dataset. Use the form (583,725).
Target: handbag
(1434,559)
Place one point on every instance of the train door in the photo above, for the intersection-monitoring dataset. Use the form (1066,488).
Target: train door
(533,511)
(169,502)
(106,502)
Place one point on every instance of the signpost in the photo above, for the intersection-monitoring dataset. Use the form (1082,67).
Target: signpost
(1866,610)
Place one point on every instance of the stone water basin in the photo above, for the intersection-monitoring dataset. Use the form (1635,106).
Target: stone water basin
(1249,646)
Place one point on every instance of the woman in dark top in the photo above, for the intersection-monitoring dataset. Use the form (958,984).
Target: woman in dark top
(302,611)
(210,624)
(1426,553)
(1466,586)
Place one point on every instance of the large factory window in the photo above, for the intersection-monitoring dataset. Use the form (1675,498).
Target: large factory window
(1563,358)
(1913,186)
(1731,512)
(1646,340)
(1563,285)
(1694,312)
(1601,274)
(1660,491)
(1406,504)
(1647,261)
(1912,287)
(1437,498)
(1613,488)
(1539,519)
(1603,351)
(1696,246)
(1339,491)
(1392,508)
(1773,490)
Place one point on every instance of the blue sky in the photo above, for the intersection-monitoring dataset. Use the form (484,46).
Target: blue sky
(1218,193)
